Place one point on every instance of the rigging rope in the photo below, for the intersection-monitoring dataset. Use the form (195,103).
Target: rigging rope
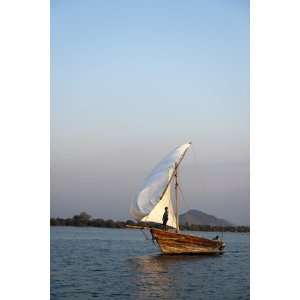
(200,183)
(145,235)
(187,204)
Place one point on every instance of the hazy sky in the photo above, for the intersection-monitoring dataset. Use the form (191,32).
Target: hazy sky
(130,80)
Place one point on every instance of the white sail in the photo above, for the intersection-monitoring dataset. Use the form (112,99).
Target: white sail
(159,209)
(150,195)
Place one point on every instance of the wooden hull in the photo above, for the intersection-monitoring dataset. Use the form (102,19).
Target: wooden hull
(176,243)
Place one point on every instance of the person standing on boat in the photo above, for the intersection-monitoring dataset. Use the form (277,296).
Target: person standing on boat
(165,218)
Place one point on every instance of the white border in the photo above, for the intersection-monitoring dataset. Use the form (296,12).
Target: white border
(25,149)
(275,149)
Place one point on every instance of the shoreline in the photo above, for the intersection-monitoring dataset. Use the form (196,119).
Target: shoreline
(58,222)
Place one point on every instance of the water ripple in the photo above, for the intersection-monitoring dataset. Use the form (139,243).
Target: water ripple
(89,263)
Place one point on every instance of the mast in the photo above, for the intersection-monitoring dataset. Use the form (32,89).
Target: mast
(174,173)
(176,198)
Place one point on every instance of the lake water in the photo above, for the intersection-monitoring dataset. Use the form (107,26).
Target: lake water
(100,263)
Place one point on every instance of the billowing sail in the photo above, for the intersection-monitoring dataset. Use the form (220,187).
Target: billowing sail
(149,198)
(159,209)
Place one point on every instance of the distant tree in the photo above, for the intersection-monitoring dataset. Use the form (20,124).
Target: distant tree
(110,223)
(53,222)
(84,216)
(69,222)
(82,219)
(98,222)
(119,224)
(129,222)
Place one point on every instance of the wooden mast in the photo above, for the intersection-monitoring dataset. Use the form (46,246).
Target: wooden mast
(173,175)
(176,198)
(176,188)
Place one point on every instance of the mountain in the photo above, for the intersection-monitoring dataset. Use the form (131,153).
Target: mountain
(198,217)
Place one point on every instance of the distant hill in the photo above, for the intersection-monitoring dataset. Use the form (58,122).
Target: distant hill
(198,217)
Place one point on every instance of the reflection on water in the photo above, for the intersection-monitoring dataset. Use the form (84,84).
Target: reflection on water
(151,276)
(154,276)
(120,264)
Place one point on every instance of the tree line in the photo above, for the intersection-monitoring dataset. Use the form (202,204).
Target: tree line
(84,219)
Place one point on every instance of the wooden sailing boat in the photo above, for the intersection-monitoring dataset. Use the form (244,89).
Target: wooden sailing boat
(156,195)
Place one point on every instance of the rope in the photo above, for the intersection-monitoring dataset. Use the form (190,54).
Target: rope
(200,183)
(145,235)
(186,203)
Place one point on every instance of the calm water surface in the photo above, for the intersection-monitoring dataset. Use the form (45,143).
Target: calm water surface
(98,263)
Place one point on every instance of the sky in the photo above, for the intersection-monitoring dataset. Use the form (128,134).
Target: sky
(130,81)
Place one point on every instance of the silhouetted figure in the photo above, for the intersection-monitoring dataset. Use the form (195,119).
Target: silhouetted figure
(165,218)
(216,238)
